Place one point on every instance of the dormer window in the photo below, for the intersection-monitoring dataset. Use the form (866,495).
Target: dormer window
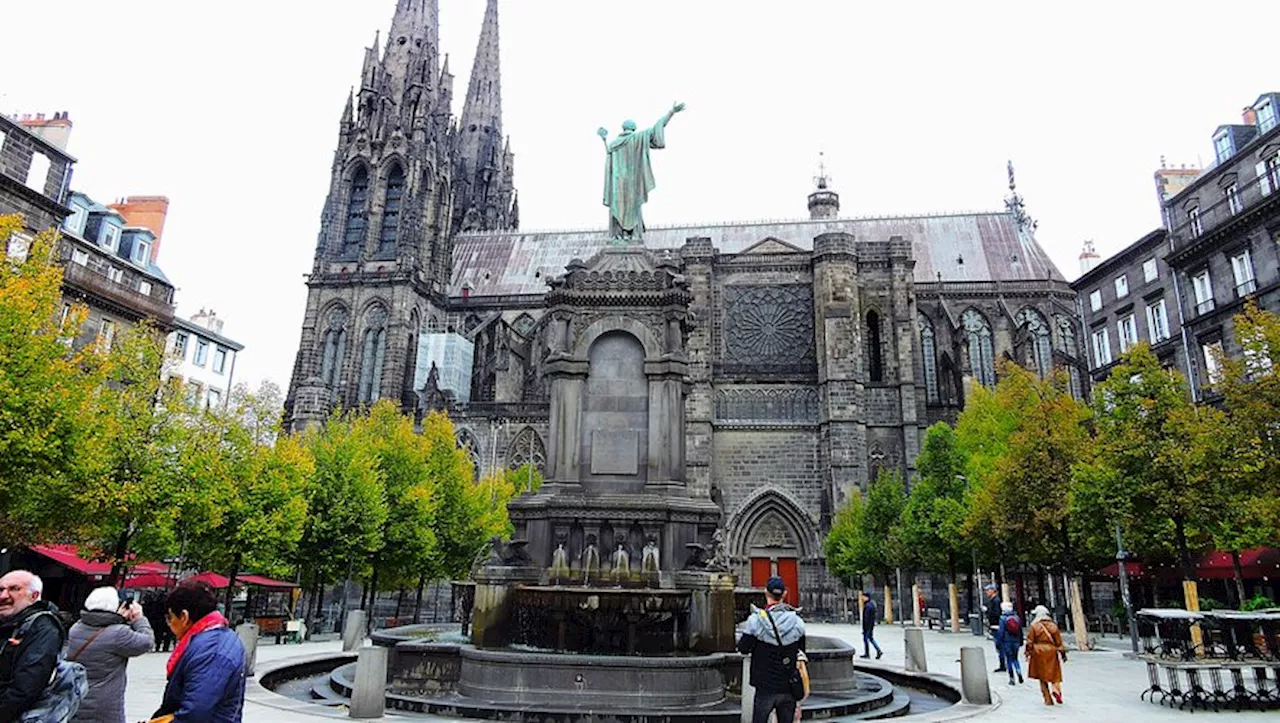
(110,237)
(141,253)
(1266,116)
(1222,146)
(75,222)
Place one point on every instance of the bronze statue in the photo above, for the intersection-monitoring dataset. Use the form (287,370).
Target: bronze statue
(628,176)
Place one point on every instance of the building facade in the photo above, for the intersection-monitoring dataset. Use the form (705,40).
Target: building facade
(1223,233)
(1132,297)
(109,265)
(1179,287)
(200,357)
(810,354)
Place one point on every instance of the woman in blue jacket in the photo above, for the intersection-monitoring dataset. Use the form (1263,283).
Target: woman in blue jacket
(206,669)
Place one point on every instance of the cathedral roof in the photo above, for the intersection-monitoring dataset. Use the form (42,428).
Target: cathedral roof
(959,247)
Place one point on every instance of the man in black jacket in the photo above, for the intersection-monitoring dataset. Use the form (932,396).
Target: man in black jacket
(26,663)
(870,613)
(991,606)
(774,638)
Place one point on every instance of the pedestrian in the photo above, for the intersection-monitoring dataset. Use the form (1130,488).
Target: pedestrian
(153,609)
(32,636)
(774,638)
(108,634)
(870,613)
(1009,638)
(1045,654)
(206,670)
(991,607)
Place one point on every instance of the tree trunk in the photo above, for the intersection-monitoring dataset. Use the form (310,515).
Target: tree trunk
(1238,573)
(417,604)
(231,584)
(399,603)
(119,555)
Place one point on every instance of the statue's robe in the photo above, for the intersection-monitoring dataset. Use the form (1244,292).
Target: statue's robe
(628,179)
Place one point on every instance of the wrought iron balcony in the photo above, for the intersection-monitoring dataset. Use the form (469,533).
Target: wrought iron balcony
(1202,224)
(125,299)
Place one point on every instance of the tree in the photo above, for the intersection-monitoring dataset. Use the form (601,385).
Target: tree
(129,504)
(933,518)
(864,538)
(1158,461)
(407,542)
(346,504)
(461,505)
(253,492)
(1251,393)
(49,444)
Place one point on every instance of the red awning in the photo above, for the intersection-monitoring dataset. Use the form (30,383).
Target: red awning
(1255,564)
(219,582)
(69,556)
(260,581)
(1133,569)
(152,579)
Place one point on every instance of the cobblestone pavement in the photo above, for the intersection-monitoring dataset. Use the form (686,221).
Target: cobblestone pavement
(1099,686)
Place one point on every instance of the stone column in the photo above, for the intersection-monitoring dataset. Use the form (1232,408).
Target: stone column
(353,630)
(666,426)
(973,676)
(564,448)
(913,639)
(837,324)
(248,634)
(369,694)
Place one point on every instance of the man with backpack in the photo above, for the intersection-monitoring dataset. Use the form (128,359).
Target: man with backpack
(774,638)
(33,637)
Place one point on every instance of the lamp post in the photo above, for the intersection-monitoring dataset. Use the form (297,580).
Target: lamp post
(1121,558)
(976,576)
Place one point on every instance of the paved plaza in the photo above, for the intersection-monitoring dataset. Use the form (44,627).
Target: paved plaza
(1099,686)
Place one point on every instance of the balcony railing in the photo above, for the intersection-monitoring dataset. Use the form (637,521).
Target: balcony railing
(1204,307)
(1206,218)
(85,279)
(1246,287)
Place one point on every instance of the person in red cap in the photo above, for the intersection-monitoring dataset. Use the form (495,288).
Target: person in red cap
(774,638)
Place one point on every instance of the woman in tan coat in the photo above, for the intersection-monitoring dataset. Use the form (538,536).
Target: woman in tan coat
(1045,654)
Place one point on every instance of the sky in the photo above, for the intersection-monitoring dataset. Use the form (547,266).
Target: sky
(231,110)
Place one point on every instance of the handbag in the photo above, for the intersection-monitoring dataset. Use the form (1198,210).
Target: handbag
(798,682)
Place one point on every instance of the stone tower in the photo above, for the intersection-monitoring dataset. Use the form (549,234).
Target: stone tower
(384,253)
(484,166)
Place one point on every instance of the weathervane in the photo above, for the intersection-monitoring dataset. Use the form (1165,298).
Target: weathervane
(822,179)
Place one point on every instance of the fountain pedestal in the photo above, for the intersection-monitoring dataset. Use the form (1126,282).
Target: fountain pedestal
(493,613)
(711,623)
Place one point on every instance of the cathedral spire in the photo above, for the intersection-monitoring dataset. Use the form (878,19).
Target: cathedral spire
(482,110)
(412,46)
(483,171)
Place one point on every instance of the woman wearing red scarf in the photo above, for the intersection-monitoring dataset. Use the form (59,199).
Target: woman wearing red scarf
(206,670)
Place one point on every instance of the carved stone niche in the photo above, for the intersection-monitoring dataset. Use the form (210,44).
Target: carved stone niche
(617,376)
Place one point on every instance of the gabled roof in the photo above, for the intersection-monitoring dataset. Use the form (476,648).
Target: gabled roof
(957,247)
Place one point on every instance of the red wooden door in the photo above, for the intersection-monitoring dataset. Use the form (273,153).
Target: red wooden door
(761,570)
(790,575)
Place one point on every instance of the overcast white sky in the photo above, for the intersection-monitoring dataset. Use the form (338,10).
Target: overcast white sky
(231,110)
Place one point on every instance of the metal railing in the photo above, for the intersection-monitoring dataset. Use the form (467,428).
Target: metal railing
(1197,225)
(88,280)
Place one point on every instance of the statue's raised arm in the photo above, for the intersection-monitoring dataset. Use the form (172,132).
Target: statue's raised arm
(628,176)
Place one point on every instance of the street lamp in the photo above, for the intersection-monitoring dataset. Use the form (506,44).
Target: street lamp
(1121,558)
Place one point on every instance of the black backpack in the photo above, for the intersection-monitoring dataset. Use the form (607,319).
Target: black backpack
(67,686)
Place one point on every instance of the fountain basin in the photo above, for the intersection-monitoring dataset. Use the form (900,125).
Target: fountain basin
(598,681)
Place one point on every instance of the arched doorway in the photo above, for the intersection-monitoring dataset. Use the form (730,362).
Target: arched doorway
(768,534)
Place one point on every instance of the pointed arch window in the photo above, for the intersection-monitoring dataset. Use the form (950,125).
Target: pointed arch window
(981,349)
(334,346)
(391,213)
(1041,351)
(357,213)
(929,352)
(373,352)
(1066,329)
(875,358)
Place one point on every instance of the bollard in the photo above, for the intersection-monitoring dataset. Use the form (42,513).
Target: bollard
(748,690)
(915,605)
(915,658)
(353,631)
(369,696)
(973,676)
(248,633)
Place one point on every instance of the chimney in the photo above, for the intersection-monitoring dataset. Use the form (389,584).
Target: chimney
(55,131)
(1089,258)
(1250,116)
